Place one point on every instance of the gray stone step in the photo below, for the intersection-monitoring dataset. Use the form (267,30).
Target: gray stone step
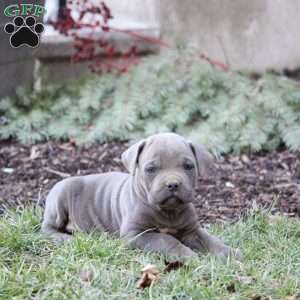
(53,56)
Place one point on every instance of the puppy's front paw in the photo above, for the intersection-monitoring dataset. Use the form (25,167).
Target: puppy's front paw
(184,253)
(61,238)
(188,253)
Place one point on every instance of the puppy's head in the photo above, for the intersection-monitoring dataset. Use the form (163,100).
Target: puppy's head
(166,167)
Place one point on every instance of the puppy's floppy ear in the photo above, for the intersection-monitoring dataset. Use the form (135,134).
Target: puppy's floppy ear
(130,157)
(205,161)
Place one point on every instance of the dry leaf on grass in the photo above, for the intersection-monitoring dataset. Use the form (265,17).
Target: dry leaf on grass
(246,279)
(231,287)
(260,297)
(295,297)
(275,219)
(173,265)
(86,275)
(34,153)
(150,275)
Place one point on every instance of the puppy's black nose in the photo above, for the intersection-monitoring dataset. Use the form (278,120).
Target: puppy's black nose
(173,186)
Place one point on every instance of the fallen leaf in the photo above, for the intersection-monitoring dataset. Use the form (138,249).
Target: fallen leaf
(150,275)
(86,275)
(291,298)
(256,297)
(274,284)
(275,219)
(151,269)
(260,297)
(231,287)
(72,141)
(146,280)
(246,280)
(174,265)
(245,159)
(34,153)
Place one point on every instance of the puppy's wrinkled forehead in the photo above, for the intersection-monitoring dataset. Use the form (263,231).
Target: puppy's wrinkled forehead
(167,148)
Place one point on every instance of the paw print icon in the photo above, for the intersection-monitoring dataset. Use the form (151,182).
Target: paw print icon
(24,32)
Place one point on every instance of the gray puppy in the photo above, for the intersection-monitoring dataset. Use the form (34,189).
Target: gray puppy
(151,207)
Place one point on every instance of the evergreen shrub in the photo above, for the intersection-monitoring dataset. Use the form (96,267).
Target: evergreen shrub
(175,91)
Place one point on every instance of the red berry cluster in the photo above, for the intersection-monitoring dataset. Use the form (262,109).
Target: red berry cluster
(93,46)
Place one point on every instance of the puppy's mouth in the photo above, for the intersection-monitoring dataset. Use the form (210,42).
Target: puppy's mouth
(171,201)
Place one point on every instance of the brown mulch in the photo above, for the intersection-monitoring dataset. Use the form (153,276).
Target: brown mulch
(268,180)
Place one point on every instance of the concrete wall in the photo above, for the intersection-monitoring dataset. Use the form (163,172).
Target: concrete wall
(255,35)
(134,13)
(16,65)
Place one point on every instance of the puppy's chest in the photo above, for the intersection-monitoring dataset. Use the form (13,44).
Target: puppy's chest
(172,227)
(176,231)
(174,224)
(168,230)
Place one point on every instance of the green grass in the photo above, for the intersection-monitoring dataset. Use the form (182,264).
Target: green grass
(32,267)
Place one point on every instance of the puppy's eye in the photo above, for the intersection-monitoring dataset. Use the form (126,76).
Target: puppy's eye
(188,166)
(151,169)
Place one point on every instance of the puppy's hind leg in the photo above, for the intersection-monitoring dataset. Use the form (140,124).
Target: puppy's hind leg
(55,234)
(56,219)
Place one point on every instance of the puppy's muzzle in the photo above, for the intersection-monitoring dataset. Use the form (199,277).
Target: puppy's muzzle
(173,185)
(172,198)
(171,202)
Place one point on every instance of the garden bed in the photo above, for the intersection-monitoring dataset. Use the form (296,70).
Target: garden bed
(268,180)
